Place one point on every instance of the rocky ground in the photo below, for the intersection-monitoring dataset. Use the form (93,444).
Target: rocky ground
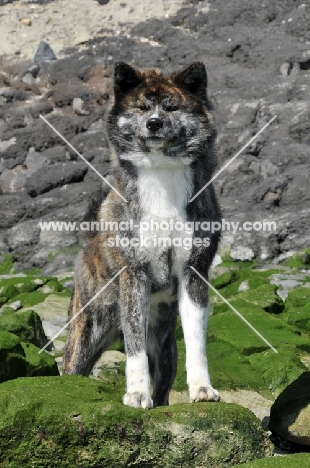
(258,60)
(246,371)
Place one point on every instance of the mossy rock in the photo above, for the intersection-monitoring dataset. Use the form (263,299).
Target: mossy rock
(52,286)
(300,460)
(297,308)
(29,299)
(9,291)
(6,263)
(12,357)
(76,421)
(299,260)
(263,296)
(276,371)
(230,328)
(26,325)
(225,279)
(38,365)
(228,283)
(19,359)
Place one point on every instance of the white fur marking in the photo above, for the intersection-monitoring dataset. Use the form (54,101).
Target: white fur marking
(194,323)
(137,373)
(138,382)
(164,194)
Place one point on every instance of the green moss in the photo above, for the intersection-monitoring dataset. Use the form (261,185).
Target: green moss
(20,359)
(39,364)
(28,287)
(265,297)
(118,345)
(300,460)
(52,286)
(29,299)
(277,371)
(75,421)
(64,293)
(230,328)
(12,357)
(6,264)
(27,325)
(3,300)
(297,308)
(231,370)
(225,279)
(9,291)
(299,260)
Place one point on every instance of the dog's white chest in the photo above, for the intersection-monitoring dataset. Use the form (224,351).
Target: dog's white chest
(164,194)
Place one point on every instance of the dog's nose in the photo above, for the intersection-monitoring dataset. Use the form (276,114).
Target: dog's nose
(154,124)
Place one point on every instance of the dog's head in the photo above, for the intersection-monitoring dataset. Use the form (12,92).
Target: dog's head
(160,119)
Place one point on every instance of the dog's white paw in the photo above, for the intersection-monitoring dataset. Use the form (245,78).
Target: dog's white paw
(205,393)
(138,400)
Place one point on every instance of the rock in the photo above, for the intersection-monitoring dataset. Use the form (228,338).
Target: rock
(26,325)
(110,358)
(290,413)
(255,402)
(26,21)
(15,306)
(55,154)
(24,234)
(285,68)
(13,363)
(255,166)
(65,412)
(34,161)
(44,53)
(268,169)
(216,261)
(78,106)
(242,253)
(58,239)
(29,79)
(12,181)
(52,286)
(287,282)
(297,308)
(57,175)
(244,286)
(53,313)
(19,359)
(33,70)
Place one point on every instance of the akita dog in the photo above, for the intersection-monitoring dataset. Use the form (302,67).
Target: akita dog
(161,132)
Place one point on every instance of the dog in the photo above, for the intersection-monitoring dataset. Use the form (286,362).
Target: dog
(162,135)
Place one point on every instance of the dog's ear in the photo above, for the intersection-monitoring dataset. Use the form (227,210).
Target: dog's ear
(125,78)
(193,78)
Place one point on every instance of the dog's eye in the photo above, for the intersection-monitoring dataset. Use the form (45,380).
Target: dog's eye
(170,107)
(144,107)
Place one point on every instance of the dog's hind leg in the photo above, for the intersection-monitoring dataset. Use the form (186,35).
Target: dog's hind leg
(90,333)
(162,350)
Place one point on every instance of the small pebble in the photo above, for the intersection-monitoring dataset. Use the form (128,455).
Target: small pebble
(26,21)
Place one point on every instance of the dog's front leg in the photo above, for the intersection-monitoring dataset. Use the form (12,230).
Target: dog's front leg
(193,308)
(135,301)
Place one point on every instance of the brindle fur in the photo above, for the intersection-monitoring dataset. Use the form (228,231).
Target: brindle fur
(125,305)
